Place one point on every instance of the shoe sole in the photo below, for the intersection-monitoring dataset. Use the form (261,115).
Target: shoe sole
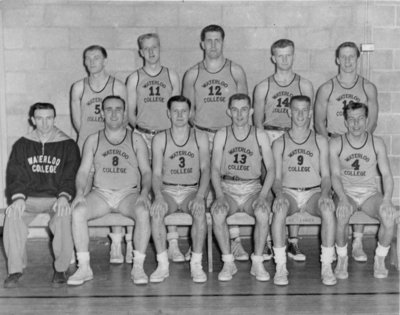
(295,258)
(360,258)
(380,276)
(242,258)
(260,279)
(341,277)
(79,282)
(202,280)
(158,280)
(226,279)
(116,261)
(281,283)
(329,283)
(143,281)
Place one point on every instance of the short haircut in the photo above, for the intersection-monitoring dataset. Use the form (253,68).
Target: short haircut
(95,47)
(300,98)
(347,44)
(112,97)
(143,37)
(212,28)
(353,106)
(281,43)
(239,97)
(179,99)
(36,106)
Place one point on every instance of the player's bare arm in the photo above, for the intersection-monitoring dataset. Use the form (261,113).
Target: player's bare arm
(175,82)
(259,94)
(189,80)
(75,103)
(131,84)
(240,77)
(321,108)
(373,107)
(277,150)
(268,159)
(325,172)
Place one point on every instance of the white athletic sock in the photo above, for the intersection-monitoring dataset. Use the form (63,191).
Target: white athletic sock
(234,232)
(341,251)
(327,254)
(196,258)
(381,250)
(138,258)
(228,258)
(162,258)
(280,255)
(83,258)
(116,237)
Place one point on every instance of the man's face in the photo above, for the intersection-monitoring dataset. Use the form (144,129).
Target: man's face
(150,50)
(43,119)
(240,112)
(283,58)
(213,45)
(347,60)
(356,121)
(113,113)
(179,114)
(300,113)
(95,61)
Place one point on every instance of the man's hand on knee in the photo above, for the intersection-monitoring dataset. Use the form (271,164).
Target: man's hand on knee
(260,204)
(16,209)
(326,204)
(197,206)
(388,212)
(344,209)
(78,199)
(144,199)
(220,206)
(280,204)
(159,208)
(61,207)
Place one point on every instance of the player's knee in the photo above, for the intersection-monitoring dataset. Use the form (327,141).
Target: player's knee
(219,215)
(262,215)
(79,213)
(386,218)
(199,214)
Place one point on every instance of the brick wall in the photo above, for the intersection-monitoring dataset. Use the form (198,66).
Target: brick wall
(42,43)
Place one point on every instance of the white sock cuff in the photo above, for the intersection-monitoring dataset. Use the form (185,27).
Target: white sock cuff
(358,234)
(234,232)
(115,237)
(381,250)
(327,254)
(341,251)
(172,236)
(256,258)
(83,256)
(196,257)
(228,258)
(280,255)
(162,256)
(138,255)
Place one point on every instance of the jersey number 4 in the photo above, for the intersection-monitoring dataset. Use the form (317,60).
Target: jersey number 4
(356,165)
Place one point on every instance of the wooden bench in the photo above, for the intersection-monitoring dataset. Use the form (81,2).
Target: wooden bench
(116,219)
(242,218)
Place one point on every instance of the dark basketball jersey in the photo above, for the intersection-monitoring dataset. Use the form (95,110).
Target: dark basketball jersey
(115,165)
(241,159)
(358,166)
(277,102)
(339,97)
(91,120)
(300,162)
(153,93)
(212,93)
(181,163)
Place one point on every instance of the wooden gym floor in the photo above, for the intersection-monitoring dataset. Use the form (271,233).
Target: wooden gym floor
(112,292)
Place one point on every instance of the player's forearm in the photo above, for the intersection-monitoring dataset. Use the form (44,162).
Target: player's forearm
(321,128)
(326,186)
(81,182)
(338,187)
(157,185)
(146,183)
(387,187)
(268,182)
(277,187)
(216,181)
(204,183)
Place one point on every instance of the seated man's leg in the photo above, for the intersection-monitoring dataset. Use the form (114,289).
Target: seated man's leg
(139,212)
(198,234)
(219,213)
(94,206)
(372,207)
(326,211)
(15,234)
(343,214)
(174,253)
(357,247)
(261,212)
(282,208)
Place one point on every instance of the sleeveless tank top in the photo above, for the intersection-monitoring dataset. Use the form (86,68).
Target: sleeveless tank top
(300,162)
(358,166)
(181,163)
(212,93)
(241,159)
(277,102)
(116,165)
(339,97)
(91,120)
(153,93)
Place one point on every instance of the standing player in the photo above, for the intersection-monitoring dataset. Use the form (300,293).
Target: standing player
(149,89)
(238,156)
(302,183)
(208,85)
(346,87)
(181,175)
(122,180)
(87,95)
(354,158)
(271,104)
(40,178)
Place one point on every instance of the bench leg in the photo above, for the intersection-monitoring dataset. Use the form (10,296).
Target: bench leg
(398,246)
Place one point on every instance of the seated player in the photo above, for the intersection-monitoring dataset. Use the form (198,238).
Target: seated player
(40,178)
(181,174)
(122,180)
(354,158)
(239,151)
(302,183)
